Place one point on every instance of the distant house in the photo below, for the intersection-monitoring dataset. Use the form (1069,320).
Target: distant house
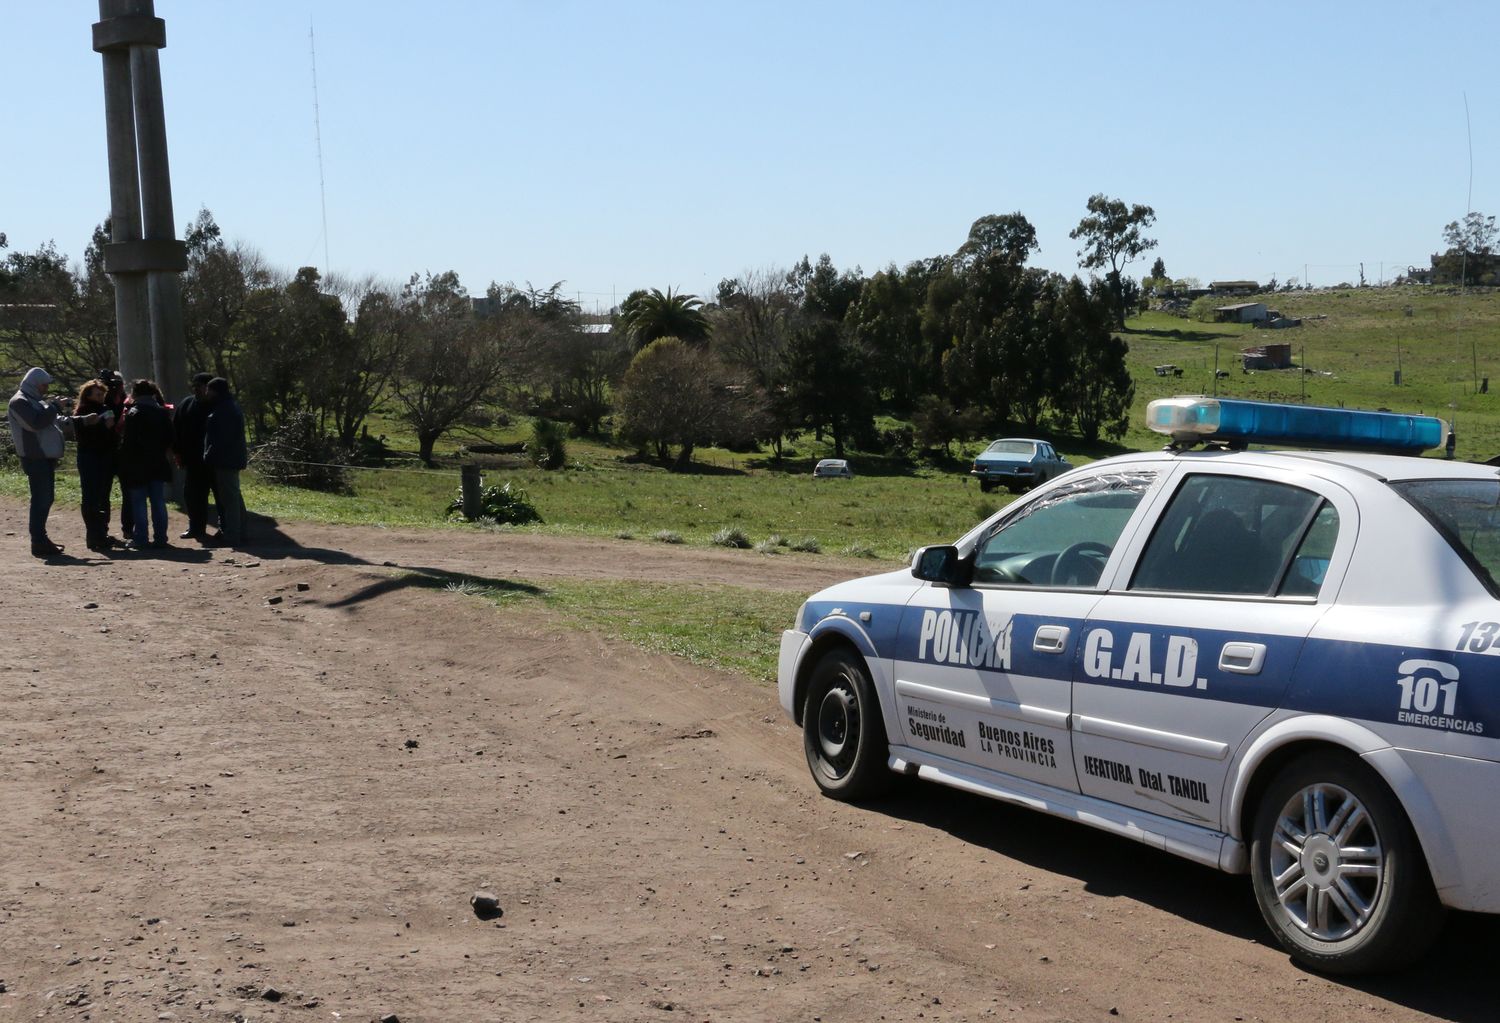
(1244,312)
(1234,287)
(1267,357)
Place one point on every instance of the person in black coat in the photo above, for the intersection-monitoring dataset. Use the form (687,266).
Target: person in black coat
(96,443)
(115,401)
(226,453)
(144,463)
(188,425)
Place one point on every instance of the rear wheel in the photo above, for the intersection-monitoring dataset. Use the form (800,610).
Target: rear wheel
(1338,872)
(842,731)
(985,486)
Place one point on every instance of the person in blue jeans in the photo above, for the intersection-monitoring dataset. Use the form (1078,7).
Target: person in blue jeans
(36,430)
(145,467)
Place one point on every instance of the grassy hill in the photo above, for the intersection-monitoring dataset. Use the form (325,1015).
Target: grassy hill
(1348,344)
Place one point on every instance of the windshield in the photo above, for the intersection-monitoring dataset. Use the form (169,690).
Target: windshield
(1467,514)
(1011,447)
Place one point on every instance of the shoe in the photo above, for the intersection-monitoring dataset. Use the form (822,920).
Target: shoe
(45,548)
(158,544)
(193,534)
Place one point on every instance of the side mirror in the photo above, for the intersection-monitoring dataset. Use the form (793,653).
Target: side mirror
(941,564)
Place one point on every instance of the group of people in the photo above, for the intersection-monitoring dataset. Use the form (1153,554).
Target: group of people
(134,437)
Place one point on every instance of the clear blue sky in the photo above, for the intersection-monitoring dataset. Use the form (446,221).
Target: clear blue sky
(647,144)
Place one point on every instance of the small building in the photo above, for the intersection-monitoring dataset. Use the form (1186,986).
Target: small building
(1243,312)
(1234,287)
(1267,357)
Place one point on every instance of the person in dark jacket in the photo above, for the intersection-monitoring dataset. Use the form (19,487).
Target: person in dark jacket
(145,468)
(96,442)
(116,400)
(187,440)
(225,452)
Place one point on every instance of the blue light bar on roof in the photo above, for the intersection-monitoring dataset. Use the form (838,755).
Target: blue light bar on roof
(1197,419)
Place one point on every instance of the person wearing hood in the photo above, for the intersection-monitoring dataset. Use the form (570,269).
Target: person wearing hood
(145,468)
(36,429)
(225,452)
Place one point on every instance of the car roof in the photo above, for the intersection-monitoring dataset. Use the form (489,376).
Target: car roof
(1385,467)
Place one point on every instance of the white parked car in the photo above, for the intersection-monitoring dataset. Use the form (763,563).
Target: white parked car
(1282,663)
(833,469)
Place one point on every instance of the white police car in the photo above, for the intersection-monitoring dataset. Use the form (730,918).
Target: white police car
(1285,663)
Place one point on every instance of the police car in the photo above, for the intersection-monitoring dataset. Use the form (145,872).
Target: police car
(1283,663)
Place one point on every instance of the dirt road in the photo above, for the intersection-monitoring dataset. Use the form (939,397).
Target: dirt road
(210,799)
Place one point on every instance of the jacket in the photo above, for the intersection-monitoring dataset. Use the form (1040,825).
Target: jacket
(145,443)
(188,426)
(224,435)
(34,426)
(95,436)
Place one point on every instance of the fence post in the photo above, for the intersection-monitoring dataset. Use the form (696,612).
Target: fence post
(470,485)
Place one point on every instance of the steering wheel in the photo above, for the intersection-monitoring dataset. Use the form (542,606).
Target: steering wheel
(1081,564)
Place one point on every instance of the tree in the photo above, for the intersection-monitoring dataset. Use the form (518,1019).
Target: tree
(1009,236)
(453,360)
(1097,391)
(287,338)
(674,394)
(356,375)
(886,321)
(1159,269)
(1112,238)
(1471,249)
(648,315)
(828,379)
(56,315)
(215,288)
(752,326)
(938,424)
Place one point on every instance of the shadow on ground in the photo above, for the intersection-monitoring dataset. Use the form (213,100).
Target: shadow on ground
(1455,981)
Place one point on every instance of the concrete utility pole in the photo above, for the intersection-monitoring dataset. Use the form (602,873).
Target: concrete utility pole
(143,257)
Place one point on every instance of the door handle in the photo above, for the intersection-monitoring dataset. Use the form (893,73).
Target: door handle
(1242,658)
(1050,639)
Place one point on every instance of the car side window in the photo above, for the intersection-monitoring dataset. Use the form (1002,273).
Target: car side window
(1064,538)
(1243,537)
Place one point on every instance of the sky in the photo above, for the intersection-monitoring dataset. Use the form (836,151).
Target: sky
(614,146)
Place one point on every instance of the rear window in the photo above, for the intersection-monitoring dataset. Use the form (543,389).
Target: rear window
(1011,447)
(1467,514)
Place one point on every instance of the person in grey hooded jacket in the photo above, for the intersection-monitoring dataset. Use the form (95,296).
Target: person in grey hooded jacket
(36,430)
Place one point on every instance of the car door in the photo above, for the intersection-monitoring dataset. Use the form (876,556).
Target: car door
(1198,645)
(984,671)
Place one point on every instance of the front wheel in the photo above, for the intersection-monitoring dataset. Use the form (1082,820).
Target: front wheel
(985,486)
(1337,869)
(842,731)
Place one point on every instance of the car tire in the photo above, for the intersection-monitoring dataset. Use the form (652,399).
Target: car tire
(1016,488)
(985,486)
(843,734)
(1337,869)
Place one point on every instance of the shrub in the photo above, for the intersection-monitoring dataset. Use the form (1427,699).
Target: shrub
(300,454)
(504,505)
(548,448)
(984,509)
(1202,309)
(806,545)
(768,546)
(731,536)
(624,534)
(857,550)
(667,536)
(775,540)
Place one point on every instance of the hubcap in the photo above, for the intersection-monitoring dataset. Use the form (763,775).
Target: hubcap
(1326,862)
(838,728)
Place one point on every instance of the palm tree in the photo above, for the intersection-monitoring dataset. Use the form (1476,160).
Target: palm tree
(648,315)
